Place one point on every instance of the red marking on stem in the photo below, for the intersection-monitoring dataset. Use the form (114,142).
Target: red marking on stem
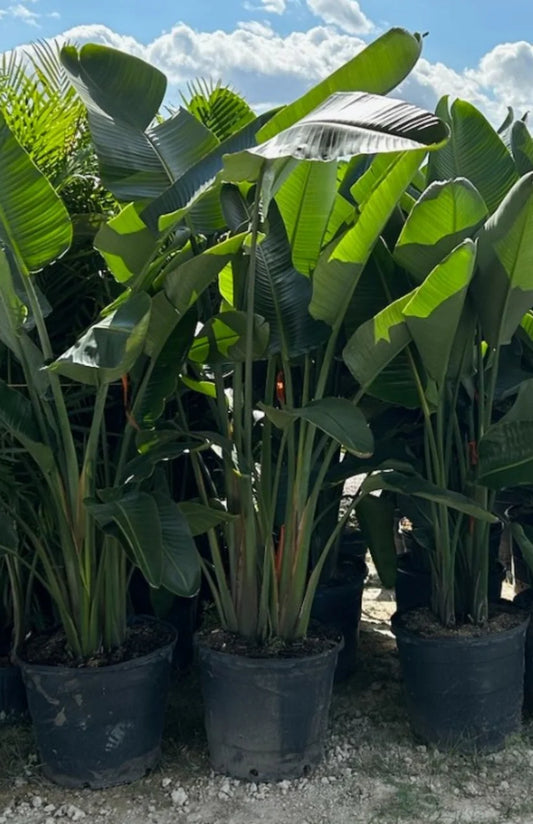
(125,399)
(473,454)
(280,387)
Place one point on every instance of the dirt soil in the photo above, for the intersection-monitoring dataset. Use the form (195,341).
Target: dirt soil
(373,770)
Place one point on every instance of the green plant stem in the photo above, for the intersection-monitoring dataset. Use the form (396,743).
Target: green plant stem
(249,344)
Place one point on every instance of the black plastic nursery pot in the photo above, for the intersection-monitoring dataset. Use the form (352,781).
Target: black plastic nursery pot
(463,692)
(413,585)
(100,726)
(338,604)
(13,704)
(524,600)
(266,719)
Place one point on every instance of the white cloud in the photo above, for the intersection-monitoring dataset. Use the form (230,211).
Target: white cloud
(507,71)
(270,6)
(262,65)
(22,13)
(54,14)
(269,69)
(262,29)
(346,14)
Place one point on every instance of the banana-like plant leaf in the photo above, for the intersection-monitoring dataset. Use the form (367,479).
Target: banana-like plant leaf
(503,287)
(413,484)
(34,223)
(435,310)
(123,95)
(127,244)
(306,200)
(201,518)
(378,69)
(475,151)
(381,281)
(184,284)
(336,417)
(447,213)
(522,408)
(376,520)
(207,388)
(523,535)
(155,535)
(396,384)
(110,347)
(133,519)
(199,185)
(341,265)
(346,124)
(17,418)
(282,294)
(170,339)
(143,466)
(342,421)
(377,342)
(506,454)
(223,339)
(522,147)
(181,572)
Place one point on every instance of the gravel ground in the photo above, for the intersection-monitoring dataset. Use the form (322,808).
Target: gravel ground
(373,770)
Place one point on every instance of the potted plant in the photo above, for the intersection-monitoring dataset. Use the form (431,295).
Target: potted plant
(246,203)
(85,513)
(448,337)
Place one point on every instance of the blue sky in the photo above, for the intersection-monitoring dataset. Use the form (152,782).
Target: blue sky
(271,50)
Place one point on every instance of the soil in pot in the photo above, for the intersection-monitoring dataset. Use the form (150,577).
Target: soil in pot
(463,686)
(113,705)
(338,604)
(266,717)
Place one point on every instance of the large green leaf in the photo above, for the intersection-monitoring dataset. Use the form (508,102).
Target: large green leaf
(184,284)
(193,193)
(380,67)
(413,484)
(447,213)
(342,263)
(435,310)
(126,243)
(342,421)
(201,518)
(223,339)
(123,95)
(522,147)
(181,563)
(377,342)
(346,124)
(110,347)
(475,151)
(34,224)
(523,535)
(155,535)
(306,200)
(503,287)
(282,294)
(506,454)
(170,339)
(375,516)
(18,419)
